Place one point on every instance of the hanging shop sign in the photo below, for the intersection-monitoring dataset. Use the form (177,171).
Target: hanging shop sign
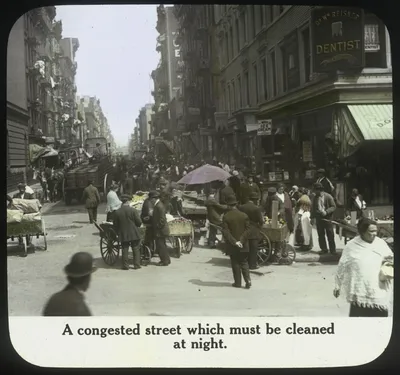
(264,127)
(337,35)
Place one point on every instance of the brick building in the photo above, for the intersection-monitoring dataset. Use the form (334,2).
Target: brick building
(264,56)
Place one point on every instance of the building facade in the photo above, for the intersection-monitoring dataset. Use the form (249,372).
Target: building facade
(144,124)
(166,83)
(274,111)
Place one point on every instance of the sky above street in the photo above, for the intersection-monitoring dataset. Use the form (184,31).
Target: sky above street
(115,58)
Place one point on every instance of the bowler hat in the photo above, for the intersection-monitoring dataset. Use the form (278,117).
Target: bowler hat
(231,200)
(21,185)
(272,190)
(81,264)
(154,194)
(321,170)
(254,195)
(125,197)
(318,186)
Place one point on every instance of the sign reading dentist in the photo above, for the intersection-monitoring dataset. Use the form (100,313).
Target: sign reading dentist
(337,35)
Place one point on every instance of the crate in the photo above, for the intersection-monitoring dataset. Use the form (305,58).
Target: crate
(275,234)
(180,228)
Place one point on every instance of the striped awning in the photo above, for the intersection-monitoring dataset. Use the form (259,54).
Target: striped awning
(375,121)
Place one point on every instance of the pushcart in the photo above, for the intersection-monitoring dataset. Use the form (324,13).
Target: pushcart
(110,245)
(26,230)
(181,235)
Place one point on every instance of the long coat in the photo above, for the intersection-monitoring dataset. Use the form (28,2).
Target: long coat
(214,211)
(126,223)
(160,225)
(256,219)
(146,211)
(91,196)
(236,227)
(246,189)
(68,302)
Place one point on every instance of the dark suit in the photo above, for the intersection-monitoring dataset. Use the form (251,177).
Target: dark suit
(68,302)
(91,197)
(161,232)
(236,227)
(146,216)
(323,226)
(126,224)
(246,189)
(256,222)
(214,213)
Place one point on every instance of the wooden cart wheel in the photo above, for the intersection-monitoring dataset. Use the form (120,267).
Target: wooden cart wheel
(188,242)
(145,254)
(179,247)
(25,247)
(106,185)
(44,234)
(264,249)
(288,254)
(109,247)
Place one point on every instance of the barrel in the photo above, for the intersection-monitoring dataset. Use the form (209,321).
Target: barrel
(70,180)
(93,175)
(81,178)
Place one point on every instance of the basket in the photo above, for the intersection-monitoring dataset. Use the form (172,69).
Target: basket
(24,228)
(275,234)
(180,228)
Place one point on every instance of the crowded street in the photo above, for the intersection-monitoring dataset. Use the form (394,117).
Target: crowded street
(197,284)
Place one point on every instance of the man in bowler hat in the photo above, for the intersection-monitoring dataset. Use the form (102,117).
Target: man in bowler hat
(235,229)
(146,216)
(126,224)
(91,197)
(70,301)
(253,211)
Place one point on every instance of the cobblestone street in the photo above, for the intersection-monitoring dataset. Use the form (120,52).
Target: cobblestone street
(196,284)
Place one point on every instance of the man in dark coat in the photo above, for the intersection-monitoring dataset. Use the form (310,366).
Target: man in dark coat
(247,188)
(322,208)
(235,228)
(70,301)
(253,211)
(268,204)
(225,192)
(91,197)
(147,219)
(235,184)
(214,213)
(126,224)
(161,230)
(22,194)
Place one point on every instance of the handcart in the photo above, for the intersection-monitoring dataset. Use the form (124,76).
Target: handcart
(274,246)
(110,245)
(181,235)
(27,230)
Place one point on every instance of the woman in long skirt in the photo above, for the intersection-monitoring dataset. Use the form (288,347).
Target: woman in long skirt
(284,197)
(302,223)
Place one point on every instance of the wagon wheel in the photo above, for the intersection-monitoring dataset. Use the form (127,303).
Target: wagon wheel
(24,246)
(264,249)
(145,254)
(288,255)
(188,242)
(179,247)
(44,234)
(109,247)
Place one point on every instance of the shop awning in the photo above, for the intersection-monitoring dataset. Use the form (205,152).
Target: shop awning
(375,121)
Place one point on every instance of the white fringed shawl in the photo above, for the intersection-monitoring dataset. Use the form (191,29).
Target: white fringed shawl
(358,273)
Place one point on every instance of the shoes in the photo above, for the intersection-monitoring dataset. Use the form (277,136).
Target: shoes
(236,286)
(324,251)
(161,264)
(248,285)
(125,268)
(333,252)
(137,268)
(254,268)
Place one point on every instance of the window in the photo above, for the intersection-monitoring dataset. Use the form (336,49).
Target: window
(247,85)
(240,92)
(226,54)
(261,10)
(265,77)
(375,46)
(232,54)
(255,71)
(273,75)
(307,54)
(269,13)
(253,21)
(281,8)
(237,34)
(245,27)
(228,102)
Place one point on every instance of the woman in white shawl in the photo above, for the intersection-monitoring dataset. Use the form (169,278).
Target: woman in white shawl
(359,275)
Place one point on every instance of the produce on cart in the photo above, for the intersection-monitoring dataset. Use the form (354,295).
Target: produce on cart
(24,220)
(181,234)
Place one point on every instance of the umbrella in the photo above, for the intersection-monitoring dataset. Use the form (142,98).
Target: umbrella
(50,152)
(203,175)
